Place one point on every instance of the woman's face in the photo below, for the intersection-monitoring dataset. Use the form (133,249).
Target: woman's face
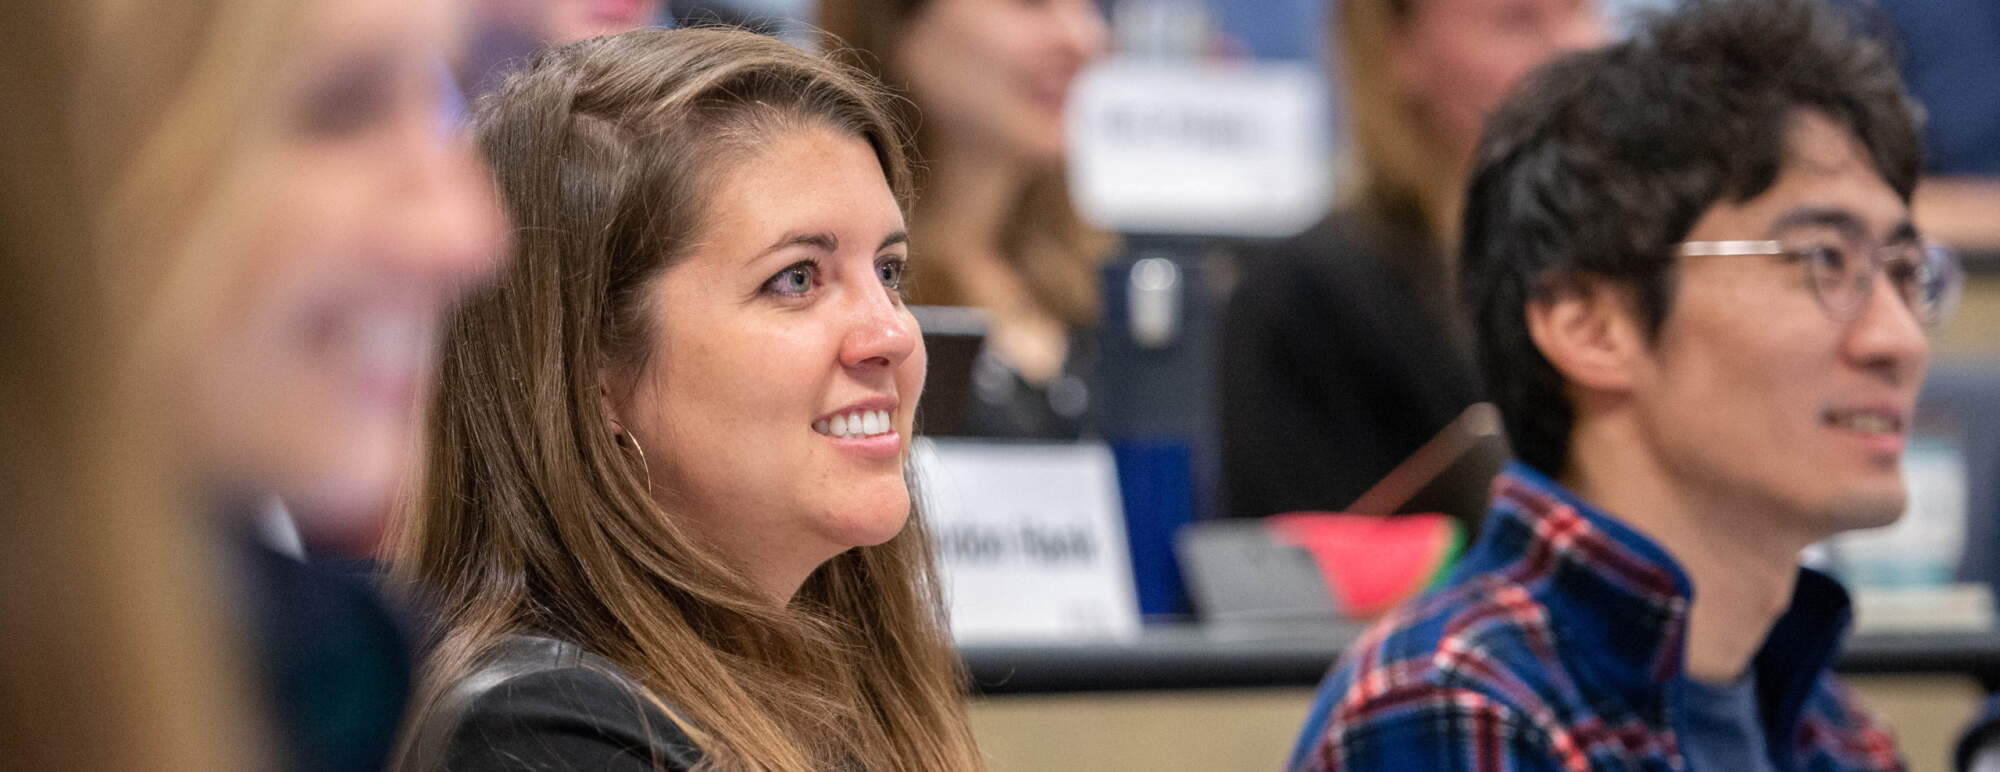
(370,217)
(571,20)
(994,74)
(1456,59)
(776,401)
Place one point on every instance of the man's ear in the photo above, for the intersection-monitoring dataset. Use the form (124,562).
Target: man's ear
(1587,330)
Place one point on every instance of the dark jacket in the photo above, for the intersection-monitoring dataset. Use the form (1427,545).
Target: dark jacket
(334,659)
(1340,359)
(539,703)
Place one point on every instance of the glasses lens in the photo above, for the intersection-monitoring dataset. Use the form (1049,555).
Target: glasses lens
(1911,274)
(1939,283)
(1925,276)
(1839,278)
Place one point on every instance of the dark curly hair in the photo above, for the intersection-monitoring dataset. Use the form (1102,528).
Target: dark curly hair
(1600,161)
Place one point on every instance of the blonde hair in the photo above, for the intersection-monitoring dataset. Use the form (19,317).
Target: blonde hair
(122,655)
(530,517)
(1402,168)
(1056,253)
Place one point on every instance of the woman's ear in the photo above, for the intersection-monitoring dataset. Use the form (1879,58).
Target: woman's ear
(609,409)
(1587,331)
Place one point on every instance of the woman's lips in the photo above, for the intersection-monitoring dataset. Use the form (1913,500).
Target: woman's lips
(879,447)
(380,354)
(865,428)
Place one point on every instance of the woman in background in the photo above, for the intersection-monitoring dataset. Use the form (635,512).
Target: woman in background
(664,516)
(284,218)
(115,654)
(987,80)
(243,212)
(1343,354)
(502,34)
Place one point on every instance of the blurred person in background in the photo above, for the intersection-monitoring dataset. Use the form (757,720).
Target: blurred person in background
(504,34)
(664,515)
(1701,302)
(115,652)
(498,36)
(987,81)
(314,216)
(1342,354)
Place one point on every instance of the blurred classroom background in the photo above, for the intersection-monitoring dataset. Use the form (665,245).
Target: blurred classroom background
(1118,393)
(1116,589)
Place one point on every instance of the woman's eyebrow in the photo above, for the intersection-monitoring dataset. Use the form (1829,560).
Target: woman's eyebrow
(820,240)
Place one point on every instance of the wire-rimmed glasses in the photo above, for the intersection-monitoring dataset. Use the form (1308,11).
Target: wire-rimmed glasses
(1925,275)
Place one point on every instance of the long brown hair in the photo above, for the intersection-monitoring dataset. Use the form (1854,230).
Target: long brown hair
(1402,168)
(1055,251)
(531,518)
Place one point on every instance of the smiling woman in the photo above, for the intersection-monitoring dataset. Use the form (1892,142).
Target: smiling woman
(784,373)
(282,221)
(665,499)
(994,220)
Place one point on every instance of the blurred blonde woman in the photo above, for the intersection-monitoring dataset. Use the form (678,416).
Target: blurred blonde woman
(664,518)
(217,155)
(115,654)
(986,82)
(1342,355)
(284,217)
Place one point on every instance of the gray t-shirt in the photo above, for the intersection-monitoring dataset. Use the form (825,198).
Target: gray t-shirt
(1721,727)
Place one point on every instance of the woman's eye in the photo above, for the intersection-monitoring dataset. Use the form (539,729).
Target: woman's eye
(348,99)
(891,273)
(793,281)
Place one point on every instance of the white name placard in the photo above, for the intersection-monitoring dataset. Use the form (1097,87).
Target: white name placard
(1225,149)
(1922,547)
(1031,540)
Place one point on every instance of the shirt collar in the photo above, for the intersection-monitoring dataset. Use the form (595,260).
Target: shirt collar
(1620,597)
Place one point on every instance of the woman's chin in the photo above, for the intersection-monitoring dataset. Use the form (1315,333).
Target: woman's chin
(346,500)
(868,526)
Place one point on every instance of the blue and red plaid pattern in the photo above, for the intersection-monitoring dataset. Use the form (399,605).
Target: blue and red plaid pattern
(1557,645)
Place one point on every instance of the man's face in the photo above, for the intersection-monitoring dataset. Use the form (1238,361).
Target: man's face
(1757,399)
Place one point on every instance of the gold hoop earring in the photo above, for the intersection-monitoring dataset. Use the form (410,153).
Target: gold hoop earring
(623,440)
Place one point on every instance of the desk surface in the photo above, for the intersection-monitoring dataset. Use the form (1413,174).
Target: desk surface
(1189,656)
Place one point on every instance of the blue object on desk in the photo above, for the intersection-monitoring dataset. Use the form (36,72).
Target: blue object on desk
(1154,402)
(1155,483)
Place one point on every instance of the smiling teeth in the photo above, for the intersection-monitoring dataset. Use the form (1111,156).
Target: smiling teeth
(1872,423)
(389,341)
(860,423)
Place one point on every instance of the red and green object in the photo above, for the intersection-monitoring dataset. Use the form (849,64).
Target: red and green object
(1370,564)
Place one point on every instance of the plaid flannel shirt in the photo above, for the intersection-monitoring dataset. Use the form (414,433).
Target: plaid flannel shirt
(1557,644)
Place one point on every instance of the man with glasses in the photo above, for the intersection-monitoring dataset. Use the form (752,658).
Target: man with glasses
(1700,306)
